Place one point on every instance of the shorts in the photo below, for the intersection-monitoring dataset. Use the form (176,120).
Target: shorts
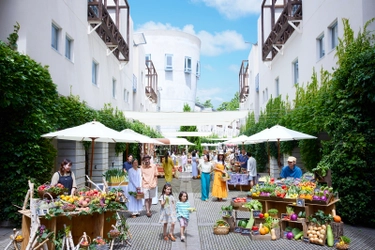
(149,193)
(183,222)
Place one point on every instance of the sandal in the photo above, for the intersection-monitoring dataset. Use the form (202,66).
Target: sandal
(172,237)
(133,215)
(148,215)
(166,238)
(182,238)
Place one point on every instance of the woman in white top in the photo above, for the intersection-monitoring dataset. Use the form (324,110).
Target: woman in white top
(205,168)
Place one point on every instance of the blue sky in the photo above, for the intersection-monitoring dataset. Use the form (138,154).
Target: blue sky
(226,29)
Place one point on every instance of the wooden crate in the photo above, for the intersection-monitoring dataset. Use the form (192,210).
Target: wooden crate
(301,224)
(260,237)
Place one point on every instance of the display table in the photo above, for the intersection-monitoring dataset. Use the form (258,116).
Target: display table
(238,181)
(94,225)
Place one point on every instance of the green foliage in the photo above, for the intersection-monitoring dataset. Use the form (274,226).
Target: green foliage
(234,104)
(27,109)
(351,124)
(13,38)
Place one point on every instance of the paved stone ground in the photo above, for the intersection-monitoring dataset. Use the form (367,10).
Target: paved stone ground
(147,232)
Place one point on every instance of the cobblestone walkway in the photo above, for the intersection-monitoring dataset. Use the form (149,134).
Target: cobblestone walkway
(147,232)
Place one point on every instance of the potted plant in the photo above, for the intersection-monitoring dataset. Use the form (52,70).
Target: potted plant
(273,212)
(116,177)
(343,243)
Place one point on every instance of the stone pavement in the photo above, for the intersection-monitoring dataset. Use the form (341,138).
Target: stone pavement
(147,233)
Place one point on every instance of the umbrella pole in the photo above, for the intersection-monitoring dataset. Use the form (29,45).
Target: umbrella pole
(269,159)
(278,153)
(92,157)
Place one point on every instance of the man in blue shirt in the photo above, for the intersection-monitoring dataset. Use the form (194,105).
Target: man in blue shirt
(242,158)
(291,170)
(128,164)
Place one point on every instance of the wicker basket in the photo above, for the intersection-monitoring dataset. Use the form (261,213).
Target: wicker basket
(224,179)
(83,238)
(222,230)
(114,233)
(140,196)
(342,247)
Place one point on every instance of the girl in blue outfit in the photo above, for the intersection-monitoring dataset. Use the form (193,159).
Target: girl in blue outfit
(182,209)
(168,211)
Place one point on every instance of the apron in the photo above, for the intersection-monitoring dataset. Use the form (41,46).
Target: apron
(67,181)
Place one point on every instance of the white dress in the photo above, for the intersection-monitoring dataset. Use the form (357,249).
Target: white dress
(252,167)
(135,206)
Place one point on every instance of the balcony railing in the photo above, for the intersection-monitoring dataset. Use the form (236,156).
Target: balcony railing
(100,20)
(282,29)
(244,81)
(152,82)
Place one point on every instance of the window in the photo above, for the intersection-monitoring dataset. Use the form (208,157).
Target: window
(266,94)
(295,72)
(168,62)
(257,83)
(94,73)
(187,64)
(55,32)
(277,87)
(126,96)
(320,45)
(147,60)
(114,88)
(198,70)
(334,35)
(68,47)
(134,84)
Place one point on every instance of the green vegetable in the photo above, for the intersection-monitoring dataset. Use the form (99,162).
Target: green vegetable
(329,236)
(288,229)
(251,220)
(242,223)
(298,236)
(296,231)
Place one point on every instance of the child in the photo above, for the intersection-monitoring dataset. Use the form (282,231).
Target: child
(182,209)
(168,211)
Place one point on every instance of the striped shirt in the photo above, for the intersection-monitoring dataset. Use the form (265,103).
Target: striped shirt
(182,209)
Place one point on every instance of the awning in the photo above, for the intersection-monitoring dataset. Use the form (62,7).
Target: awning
(174,141)
(187,118)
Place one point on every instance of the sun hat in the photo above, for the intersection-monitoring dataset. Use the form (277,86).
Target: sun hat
(292,159)
(221,152)
(146,156)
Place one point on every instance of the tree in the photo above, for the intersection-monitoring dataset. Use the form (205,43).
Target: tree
(234,104)
(208,104)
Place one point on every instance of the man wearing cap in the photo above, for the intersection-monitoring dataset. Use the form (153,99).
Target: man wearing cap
(149,182)
(291,170)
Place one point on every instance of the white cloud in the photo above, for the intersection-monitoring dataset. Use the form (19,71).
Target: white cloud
(234,8)
(211,44)
(234,68)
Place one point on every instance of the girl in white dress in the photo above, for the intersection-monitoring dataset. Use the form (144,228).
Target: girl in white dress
(134,174)
(168,211)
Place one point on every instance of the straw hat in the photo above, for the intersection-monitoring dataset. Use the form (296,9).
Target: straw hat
(221,152)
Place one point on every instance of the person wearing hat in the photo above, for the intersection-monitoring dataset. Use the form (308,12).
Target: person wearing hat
(219,187)
(291,170)
(149,182)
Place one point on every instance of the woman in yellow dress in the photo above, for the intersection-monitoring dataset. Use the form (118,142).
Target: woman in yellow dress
(168,167)
(219,187)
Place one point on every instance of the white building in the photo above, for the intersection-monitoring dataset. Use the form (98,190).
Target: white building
(294,38)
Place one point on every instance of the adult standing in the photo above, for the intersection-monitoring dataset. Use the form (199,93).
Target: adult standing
(168,167)
(149,182)
(292,170)
(242,158)
(65,177)
(128,164)
(135,183)
(194,160)
(219,187)
(183,161)
(205,168)
(252,169)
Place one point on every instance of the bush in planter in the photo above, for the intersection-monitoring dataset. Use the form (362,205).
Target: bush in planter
(273,212)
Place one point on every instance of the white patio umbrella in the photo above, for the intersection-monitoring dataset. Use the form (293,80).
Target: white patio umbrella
(175,141)
(91,131)
(279,133)
(238,140)
(141,138)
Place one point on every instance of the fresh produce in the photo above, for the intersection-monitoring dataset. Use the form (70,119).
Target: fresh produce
(273,212)
(293,217)
(296,231)
(254,205)
(316,233)
(273,234)
(240,199)
(255,228)
(298,236)
(250,223)
(289,235)
(343,243)
(263,231)
(221,223)
(261,215)
(266,215)
(330,239)
(242,223)
(337,218)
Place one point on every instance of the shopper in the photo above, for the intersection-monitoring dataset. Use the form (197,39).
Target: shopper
(219,187)
(194,160)
(168,211)
(206,168)
(168,167)
(149,182)
(183,212)
(128,164)
(135,182)
(252,169)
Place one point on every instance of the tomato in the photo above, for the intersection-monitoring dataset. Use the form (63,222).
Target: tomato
(261,216)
